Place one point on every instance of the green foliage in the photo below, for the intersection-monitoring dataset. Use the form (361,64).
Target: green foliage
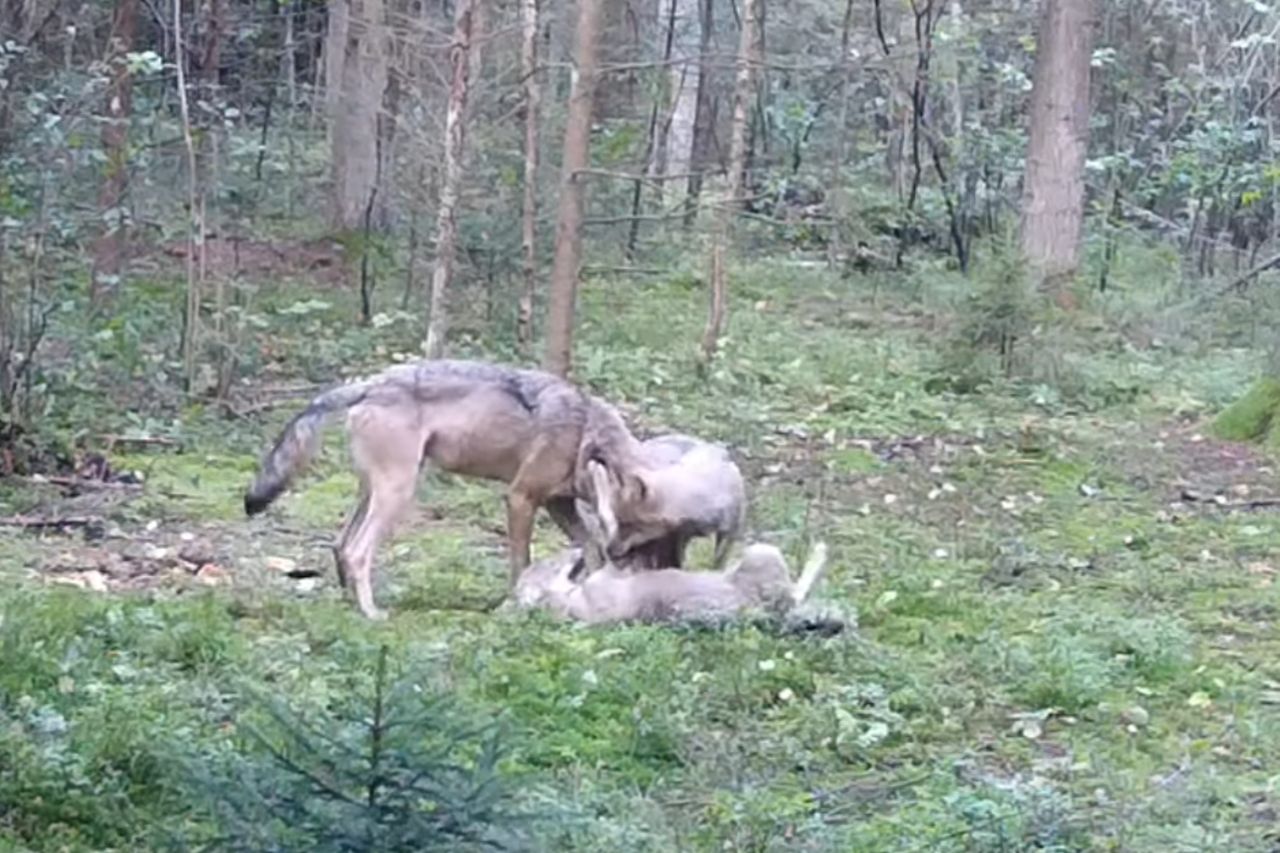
(986,697)
(399,770)
(995,325)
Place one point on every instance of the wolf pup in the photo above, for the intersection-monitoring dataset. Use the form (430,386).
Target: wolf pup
(759,581)
(525,428)
(689,488)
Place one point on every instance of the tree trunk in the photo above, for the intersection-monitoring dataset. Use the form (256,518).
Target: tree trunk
(839,199)
(577,151)
(704,119)
(529,208)
(289,56)
(335,58)
(685,85)
(109,248)
(446,216)
(660,116)
(195,217)
(1053,190)
(362,82)
(732,199)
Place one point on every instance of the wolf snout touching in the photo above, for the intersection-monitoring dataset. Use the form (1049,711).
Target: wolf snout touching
(682,488)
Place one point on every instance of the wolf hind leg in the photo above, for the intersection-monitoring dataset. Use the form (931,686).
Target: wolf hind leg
(388,455)
(383,509)
(348,529)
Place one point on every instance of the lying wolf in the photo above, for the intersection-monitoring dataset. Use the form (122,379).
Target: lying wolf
(526,428)
(759,581)
(689,488)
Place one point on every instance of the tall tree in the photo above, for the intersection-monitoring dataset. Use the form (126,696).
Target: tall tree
(109,248)
(1053,189)
(577,152)
(358,36)
(704,117)
(460,62)
(529,207)
(685,75)
(732,199)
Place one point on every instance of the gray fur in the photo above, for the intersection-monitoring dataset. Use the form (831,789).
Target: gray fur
(760,581)
(425,382)
(524,428)
(690,488)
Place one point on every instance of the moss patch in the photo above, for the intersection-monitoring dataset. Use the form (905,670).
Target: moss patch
(1253,416)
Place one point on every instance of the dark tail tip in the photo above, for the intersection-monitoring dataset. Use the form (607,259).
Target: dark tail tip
(255,503)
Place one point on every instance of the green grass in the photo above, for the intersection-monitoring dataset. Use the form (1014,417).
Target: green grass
(1048,654)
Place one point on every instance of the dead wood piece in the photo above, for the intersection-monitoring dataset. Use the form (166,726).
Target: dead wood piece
(112,440)
(36,523)
(1191,496)
(82,483)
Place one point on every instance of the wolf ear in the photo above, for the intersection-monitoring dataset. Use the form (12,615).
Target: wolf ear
(639,486)
(603,497)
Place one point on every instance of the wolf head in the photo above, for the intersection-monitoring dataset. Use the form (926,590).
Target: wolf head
(548,580)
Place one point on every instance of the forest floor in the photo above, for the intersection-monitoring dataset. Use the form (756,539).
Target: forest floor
(1066,609)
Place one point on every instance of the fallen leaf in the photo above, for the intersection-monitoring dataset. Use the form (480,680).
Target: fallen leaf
(283,565)
(1137,715)
(1199,699)
(212,574)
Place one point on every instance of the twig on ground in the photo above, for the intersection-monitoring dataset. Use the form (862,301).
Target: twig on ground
(30,522)
(1191,496)
(112,440)
(80,483)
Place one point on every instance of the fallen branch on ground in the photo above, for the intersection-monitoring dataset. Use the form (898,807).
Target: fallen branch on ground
(1241,280)
(1190,496)
(112,440)
(80,483)
(29,522)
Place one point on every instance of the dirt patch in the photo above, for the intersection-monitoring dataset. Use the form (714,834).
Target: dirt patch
(1182,464)
(319,261)
(108,558)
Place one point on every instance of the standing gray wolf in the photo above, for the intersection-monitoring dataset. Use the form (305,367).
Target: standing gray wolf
(528,429)
(759,581)
(690,488)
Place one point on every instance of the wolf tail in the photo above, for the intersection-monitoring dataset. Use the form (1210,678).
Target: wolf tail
(814,569)
(297,444)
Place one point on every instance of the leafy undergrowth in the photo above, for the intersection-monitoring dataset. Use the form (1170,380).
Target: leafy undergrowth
(1067,610)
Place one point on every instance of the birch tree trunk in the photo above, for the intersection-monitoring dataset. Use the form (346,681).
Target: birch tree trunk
(732,198)
(686,72)
(460,62)
(1053,189)
(577,150)
(529,208)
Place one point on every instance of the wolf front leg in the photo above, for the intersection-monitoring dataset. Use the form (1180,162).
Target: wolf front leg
(521,508)
(544,476)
